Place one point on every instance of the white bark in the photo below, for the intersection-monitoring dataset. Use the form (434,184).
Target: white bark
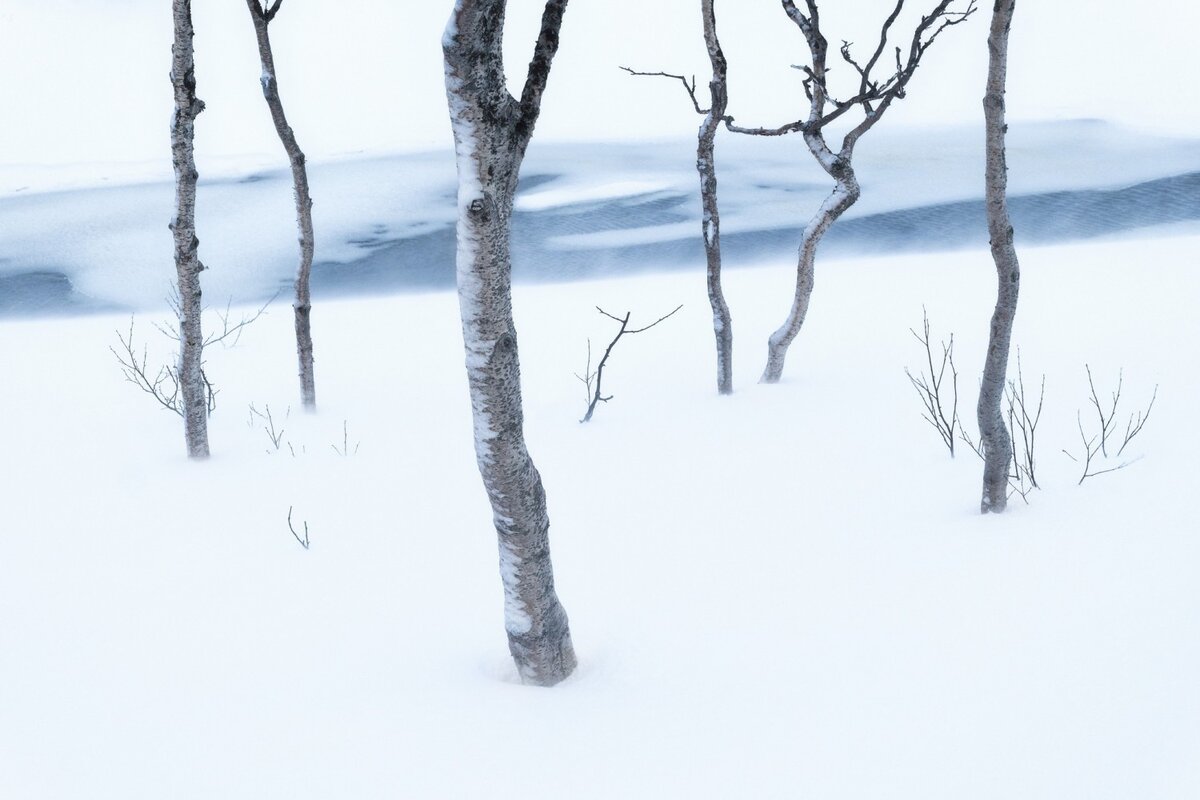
(994,435)
(873,98)
(844,195)
(302,305)
(192,385)
(491,132)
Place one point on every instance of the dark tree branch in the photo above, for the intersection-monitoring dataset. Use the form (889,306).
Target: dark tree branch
(791,127)
(304,542)
(598,375)
(539,66)
(689,86)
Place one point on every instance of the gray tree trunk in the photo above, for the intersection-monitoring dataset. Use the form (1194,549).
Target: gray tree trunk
(993,433)
(844,195)
(192,385)
(491,132)
(875,95)
(711,225)
(303,301)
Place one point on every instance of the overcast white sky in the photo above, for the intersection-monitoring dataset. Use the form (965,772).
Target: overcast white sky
(86,80)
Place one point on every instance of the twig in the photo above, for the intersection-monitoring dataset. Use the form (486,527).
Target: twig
(1095,446)
(929,387)
(303,542)
(595,395)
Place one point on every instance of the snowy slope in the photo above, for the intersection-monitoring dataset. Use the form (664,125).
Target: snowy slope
(785,593)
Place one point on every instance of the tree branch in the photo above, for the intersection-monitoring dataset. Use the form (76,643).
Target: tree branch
(539,65)
(689,87)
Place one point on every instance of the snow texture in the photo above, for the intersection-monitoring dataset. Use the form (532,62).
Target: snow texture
(868,633)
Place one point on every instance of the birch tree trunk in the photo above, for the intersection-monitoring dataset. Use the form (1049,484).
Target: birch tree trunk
(192,385)
(491,132)
(844,195)
(711,224)
(872,99)
(994,435)
(302,305)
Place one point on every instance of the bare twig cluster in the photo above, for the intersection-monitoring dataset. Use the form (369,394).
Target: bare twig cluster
(231,331)
(875,92)
(1023,418)
(273,431)
(1096,442)
(591,378)
(940,401)
(162,384)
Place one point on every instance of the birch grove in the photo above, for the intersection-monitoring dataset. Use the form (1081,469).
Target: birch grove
(492,130)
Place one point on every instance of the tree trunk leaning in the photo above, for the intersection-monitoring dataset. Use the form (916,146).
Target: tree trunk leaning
(711,224)
(302,305)
(192,385)
(491,131)
(993,433)
(844,195)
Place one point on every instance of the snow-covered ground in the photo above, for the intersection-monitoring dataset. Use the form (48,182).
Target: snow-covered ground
(784,593)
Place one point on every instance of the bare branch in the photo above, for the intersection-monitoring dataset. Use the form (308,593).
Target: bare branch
(163,387)
(688,86)
(929,388)
(657,321)
(1134,427)
(799,126)
(595,395)
(304,542)
(1096,446)
(345,451)
(235,330)
(539,66)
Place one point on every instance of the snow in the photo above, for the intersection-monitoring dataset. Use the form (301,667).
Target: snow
(784,593)
(108,239)
(589,192)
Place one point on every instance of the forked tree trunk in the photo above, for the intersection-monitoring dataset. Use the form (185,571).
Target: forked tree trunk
(491,132)
(844,195)
(302,304)
(994,435)
(875,95)
(711,225)
(192,386)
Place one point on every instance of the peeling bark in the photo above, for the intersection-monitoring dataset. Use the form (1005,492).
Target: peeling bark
(492,130)
(192,385)
(711,224)
(994,435)
(302,305)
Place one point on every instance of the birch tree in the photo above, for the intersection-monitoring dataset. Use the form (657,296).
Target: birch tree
(192,385)
(714,115)
(995,439)
(874,88)
(262,14)
(492,130)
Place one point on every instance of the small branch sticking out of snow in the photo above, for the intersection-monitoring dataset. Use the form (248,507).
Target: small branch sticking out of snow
(304,542)
(589,376)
